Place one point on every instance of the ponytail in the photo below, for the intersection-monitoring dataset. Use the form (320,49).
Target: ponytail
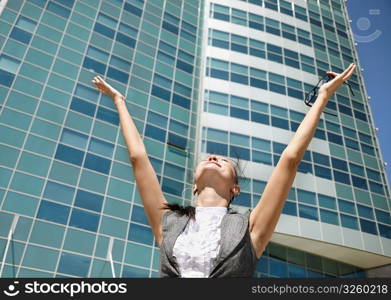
(180,209)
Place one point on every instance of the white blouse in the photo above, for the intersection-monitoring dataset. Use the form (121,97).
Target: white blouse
(197,246)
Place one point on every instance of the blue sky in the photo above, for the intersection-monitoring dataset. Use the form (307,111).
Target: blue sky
(371,26)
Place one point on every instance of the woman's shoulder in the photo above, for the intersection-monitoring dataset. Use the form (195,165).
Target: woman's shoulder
(170,218)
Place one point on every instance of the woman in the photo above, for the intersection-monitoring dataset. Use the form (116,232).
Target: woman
(211,240)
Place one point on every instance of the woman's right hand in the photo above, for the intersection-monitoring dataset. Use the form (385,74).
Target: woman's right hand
(107,89)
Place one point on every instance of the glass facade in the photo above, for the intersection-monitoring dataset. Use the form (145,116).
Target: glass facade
(262,58)
(64,167)
(282,262)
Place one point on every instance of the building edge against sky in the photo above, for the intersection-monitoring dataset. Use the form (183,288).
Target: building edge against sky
(249,40)
(64,165)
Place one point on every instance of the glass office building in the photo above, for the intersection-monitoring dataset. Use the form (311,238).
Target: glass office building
(261,59)
(225,77)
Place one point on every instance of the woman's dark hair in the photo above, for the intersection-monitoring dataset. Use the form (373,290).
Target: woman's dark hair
(180,209)
(190,210)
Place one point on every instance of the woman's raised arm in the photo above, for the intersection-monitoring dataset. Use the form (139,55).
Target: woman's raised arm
(264,217)
(146,180)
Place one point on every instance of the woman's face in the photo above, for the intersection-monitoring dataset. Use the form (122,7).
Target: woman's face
(215,170)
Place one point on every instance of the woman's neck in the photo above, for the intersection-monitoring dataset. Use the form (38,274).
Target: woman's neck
(209,197)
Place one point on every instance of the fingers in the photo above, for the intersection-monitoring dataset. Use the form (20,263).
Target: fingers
(347,76)
(333,74)
(348,71)
(98,81)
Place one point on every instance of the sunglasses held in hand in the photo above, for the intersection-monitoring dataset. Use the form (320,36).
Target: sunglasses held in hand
(311,96)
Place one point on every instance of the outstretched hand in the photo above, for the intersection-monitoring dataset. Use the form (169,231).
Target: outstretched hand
(328,88)
(107,89)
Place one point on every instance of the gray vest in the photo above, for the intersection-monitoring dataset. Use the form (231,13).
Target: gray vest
(237,257)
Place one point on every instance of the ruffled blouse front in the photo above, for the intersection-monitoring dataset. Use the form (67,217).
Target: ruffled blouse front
(199,243)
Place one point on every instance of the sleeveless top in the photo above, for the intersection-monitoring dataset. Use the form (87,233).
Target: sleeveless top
(199,243)
(236,256)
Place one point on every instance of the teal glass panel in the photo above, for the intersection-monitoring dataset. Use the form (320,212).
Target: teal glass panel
(104,130)
(70,55)
(65,69)
(53,20)
(93,181)
(239,101)
(11,136)
(14,254)
(218,97)
(47,234)
(44,44)
(138,255)
(14,48)
(259,106)
(102,269)
(117,208)
(78,121)
(239,139)
(74,43)
(79,241)
(306,196)
(122,154)
(35,72)
(16,119)
(327,201)
(122,171)
(102,245)
(45,129)
(176,156)
(9,16)
(279,111)
(329,217)
(51,112)
(120,189)
(113,227)
(20,204)
(217,135)
(39,58)
(56,96)
(85,9)
(29,273)
(276,78)
(61,83)
(344,191)
(40,145)
(9,64)
(22,229)
(217,109)
(8,156)
(81,20)
(156,259)
(6,220)
(74,139)
(34,164)
(40,258)
(64,173)
(27,184)
(133,272)
(5,176)
(78,31)
(73,264)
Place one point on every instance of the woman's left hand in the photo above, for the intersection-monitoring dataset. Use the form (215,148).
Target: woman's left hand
(327,89)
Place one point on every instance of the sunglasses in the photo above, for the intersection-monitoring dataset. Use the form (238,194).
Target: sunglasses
(311,96)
